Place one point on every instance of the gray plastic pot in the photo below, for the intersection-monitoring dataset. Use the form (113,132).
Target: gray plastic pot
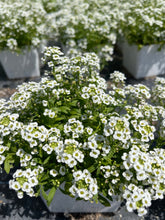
(23,65)
(62,203)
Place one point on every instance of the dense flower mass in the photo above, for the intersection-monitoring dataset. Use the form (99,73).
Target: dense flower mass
(22,24)
(85,26)
(69,129)
(143,21)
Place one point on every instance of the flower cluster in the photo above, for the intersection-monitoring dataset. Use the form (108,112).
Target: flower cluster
(22,24)
(69,131)
(143,22)
(25,181)
(84,185)
(85,26)
(139,165)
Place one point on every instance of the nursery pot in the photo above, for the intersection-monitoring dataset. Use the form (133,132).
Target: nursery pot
(23,65)
(146,62)
(63,203)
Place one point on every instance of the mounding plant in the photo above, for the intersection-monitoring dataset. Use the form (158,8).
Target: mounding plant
(69,129)
(143,22)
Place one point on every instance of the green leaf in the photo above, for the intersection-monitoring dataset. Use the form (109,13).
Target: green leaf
(60,118)
(59,126)
(8,163)
(37,160)
(46,160)
(92,168)
(43,179)
(103,201)
(104,193)
(73,103)
(64,109)
(95,198)
(98,171)
(69,177)
(44,193)
(7,166)
(51,195)
(75,111)
(110,155)
(76,116)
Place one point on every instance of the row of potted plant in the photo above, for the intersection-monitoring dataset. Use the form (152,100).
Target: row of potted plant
(67,132)
(87,26)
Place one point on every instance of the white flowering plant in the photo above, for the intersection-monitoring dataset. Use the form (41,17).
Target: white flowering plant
(85,26)
(22,24)
(69,129)
(52,5)
(143,22)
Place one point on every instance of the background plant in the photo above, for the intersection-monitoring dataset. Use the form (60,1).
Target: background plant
(52,5)
(85,26)
(22,24)
(143,21)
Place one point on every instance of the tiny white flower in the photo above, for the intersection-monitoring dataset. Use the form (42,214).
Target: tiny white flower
(45,103)
(141,175)
(53,172)
(78,175)
(20,194)
(130,206)
(142,211)
(28,157)
(92,145)
(93,188)
(94,153)
(26,187)
(33,181)
(51,114)
(2,158)
(73,190)
(81,193)
(71,162)
(138,167)
(16,185)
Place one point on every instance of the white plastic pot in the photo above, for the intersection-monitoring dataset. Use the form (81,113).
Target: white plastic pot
(145,62)
(62,203)
(22,65)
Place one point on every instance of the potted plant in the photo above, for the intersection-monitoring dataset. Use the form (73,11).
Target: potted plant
(142,26)
(22,29)
(85,26)
(67,133)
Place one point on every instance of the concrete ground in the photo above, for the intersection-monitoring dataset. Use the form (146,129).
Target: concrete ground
(12,208)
